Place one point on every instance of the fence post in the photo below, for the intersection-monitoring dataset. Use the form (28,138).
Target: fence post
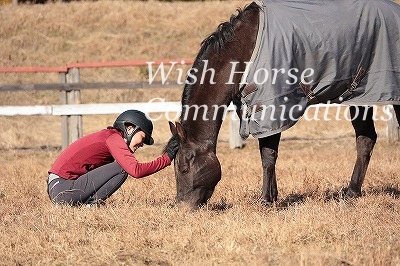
(64,118)
(235,140)
(392,127)
(71,125)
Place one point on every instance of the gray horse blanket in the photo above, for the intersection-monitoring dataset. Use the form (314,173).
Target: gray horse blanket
(320,51)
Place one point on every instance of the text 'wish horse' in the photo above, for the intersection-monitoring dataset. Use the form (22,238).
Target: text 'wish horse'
(275,58)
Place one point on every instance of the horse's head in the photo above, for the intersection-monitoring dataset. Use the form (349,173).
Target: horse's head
(197,170)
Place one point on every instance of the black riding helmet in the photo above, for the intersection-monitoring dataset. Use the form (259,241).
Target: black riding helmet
(139,120)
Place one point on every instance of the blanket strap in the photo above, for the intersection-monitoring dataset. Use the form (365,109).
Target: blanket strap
(311,98)
(248,89)
(238,99)
(349,92)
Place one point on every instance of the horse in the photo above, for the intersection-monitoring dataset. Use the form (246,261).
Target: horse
(221,74)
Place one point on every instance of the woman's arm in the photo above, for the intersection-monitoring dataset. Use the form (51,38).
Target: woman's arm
(119,150)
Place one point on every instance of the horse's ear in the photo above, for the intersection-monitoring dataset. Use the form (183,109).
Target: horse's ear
(172,127)
(181,132)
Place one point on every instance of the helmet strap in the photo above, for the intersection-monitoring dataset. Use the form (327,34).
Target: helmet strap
(130,136)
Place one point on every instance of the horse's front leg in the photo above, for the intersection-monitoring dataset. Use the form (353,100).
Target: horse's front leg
(365,141)
(269,154)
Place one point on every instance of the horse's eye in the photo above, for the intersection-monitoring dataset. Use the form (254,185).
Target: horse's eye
(185,170)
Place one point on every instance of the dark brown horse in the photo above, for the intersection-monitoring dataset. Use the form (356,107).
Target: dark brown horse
(197,167)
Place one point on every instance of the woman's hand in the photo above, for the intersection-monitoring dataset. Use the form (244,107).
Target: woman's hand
(172,148)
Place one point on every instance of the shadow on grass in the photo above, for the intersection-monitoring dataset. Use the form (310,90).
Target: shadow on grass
(385,190)
(219,206)
(288,201)
(294,199)
(336,195)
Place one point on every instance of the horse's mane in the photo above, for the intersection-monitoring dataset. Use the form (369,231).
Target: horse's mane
(215,42)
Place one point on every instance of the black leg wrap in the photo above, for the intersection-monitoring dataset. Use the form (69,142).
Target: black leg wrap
(269,153)
(270,188)
(365,146)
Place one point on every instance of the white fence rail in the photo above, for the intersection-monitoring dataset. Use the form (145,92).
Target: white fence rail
(170,109)
(89,109)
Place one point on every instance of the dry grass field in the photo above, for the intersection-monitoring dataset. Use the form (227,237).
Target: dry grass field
(140,225)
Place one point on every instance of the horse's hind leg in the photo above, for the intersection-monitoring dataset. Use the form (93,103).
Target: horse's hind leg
(269,154)
(362,121)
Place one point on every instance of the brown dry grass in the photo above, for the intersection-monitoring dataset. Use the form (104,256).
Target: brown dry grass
(56,34)
(139,225)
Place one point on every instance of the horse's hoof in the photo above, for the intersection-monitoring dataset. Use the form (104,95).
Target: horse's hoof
(267,204)
(348,193)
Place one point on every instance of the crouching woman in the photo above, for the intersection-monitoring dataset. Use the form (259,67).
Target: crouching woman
(92,168)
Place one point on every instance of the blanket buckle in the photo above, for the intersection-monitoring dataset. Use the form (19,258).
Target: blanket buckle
(311,98)
(357,79)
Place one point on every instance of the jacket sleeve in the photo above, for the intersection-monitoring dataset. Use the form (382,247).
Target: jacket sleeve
(119,150)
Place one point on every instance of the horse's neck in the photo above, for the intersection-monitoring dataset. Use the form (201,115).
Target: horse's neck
(204,128)
(221,92)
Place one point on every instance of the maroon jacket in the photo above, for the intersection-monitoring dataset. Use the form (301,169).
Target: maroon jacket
(100,148)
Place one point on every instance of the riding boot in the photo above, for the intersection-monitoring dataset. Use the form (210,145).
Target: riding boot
(364,146)
(269,189)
